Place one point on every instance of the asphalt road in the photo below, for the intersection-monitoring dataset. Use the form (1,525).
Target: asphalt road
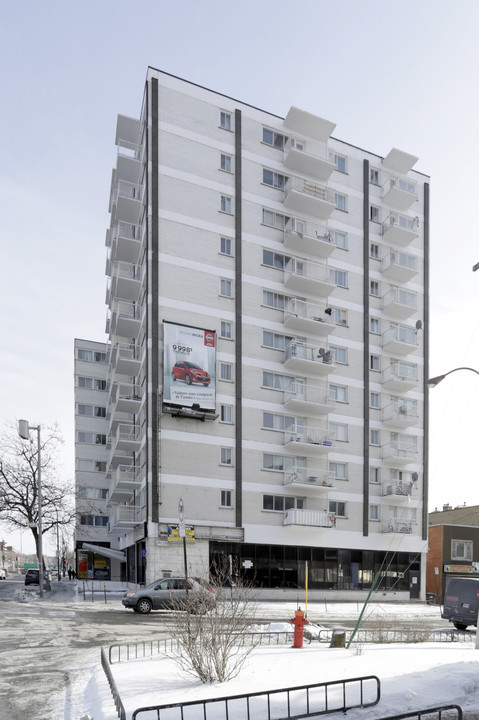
(47,646)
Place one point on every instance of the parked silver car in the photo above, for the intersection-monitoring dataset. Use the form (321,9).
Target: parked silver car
(172,594)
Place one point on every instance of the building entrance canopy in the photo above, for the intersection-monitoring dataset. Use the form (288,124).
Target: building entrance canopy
(107,552)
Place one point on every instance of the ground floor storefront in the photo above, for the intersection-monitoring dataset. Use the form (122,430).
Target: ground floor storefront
(282,566)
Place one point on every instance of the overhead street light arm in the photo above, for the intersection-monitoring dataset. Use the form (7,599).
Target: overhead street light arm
(432,382)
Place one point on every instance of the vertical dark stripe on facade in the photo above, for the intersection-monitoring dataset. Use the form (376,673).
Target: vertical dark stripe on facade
(153,260)
(425,480)
(238,327)
(366,347)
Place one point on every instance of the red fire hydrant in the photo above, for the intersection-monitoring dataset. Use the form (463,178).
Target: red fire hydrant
(299,621)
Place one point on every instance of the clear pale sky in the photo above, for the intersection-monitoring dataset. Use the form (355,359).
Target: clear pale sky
(388,73)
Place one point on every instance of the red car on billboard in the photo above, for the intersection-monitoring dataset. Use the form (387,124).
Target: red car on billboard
(190,373)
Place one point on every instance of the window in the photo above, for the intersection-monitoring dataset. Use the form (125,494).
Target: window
(461,550)
(340,354)
(281,463)
(278,422)
(339,393)
(275,340)
(375,475)
(374,176)
(226,288)
(339,469)
(375,363)
(278,503)
(374,437)
(225,162)
(226,414)
(226,204)
(98,520)
(339,430)
(339,161)
(374,513)
(226,330)
(225,500)
(226,456)
(374,288)
(91,356)
(374,326)
(339,316)
(374,251)
(338,508)
(275,260)
(275,381)
(226,371)
(92,493)
(270,137)
(91,410)
(274,219)
(225,120)
(275,300)
(274,179)
(338,277)
(225,246)
(341,201)
(99,466)
(340,239)
(374,213)
(375,400)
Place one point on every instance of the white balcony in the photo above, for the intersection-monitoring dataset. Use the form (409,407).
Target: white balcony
(128,437)
(400,303)
(308,278)
(401,453)
(126,397)
(308,440)
(126,281)
(126,201)
(125,359)
(399,415)
(400,377)
(308,399)
(304,196)
(399,192)
(125,517)
(308,157)
(126,242)
(399,266)
(125,480)
(129,161)
(400,229)
(396,526)
(310,518)
(306,318)
(125,319)
(398,493)
(400,339)
(301,236)
(308,359)
(320,480)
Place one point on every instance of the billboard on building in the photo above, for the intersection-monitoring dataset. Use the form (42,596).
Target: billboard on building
(189,366)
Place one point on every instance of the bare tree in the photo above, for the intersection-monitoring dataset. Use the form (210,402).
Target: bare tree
(213,644)
(19,488)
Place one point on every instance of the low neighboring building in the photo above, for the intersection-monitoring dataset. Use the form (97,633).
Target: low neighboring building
(453,547)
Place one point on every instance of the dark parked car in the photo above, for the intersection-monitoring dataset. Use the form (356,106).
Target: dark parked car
(32,577)
(190,373)
(171,594)
(460,602)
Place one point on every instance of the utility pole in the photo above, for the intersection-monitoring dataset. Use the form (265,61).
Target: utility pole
(24,432)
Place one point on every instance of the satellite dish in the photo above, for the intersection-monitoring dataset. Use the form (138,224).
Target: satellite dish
(419,325)
(414,477)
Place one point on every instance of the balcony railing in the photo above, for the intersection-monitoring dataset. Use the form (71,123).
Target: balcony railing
(401,452)
(304,236)
(399,192)
(396,526)
(400,229)
(301,397)
(308,197)
(311,477)
(400,339)
(308,157)
(310,318)
(126,242)
(400,414)
(304,357)
(308,277)
(320,439)
(400,303)
(310,518)
(399,266)
(400,489)
(126,516)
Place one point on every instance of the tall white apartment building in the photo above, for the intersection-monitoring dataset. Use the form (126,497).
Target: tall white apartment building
(267,353)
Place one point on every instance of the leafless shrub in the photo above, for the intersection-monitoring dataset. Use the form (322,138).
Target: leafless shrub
(211,643)
(389,629)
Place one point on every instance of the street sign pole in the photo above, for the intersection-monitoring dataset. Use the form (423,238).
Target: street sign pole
(182,531)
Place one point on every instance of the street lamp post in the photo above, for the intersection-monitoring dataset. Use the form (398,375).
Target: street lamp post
(432,384)
(24,431)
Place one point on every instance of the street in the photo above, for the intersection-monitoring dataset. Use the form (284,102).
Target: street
(49,648)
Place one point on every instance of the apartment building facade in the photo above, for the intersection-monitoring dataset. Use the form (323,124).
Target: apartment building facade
(267,350)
